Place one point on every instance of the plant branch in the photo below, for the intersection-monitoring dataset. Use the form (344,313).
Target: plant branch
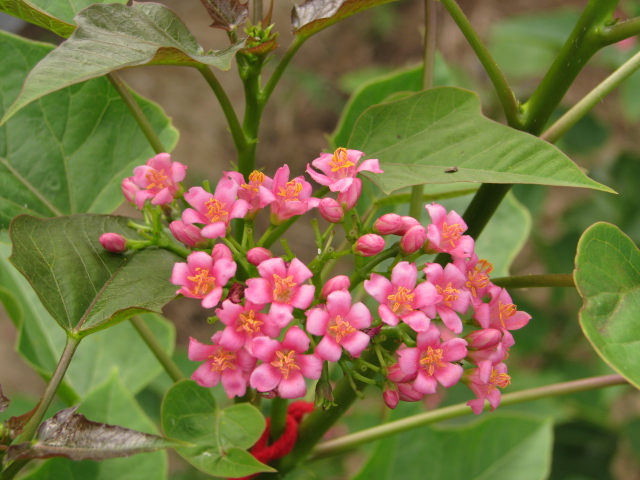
(507,98)
(580,109)
(530,281)
(154,345)
(620,31)
(142,120)
(339,445)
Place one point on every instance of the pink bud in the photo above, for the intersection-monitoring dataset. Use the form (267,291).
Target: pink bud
(349,198)
(483,339)
(407,223)
(188,234)
(368,245)
(219,251)
(341,282)
(113,242)
(413,239)
(388,224)
(331,210)
(129,189)
(258,255)
(407,393)
(390,395)
(396,375)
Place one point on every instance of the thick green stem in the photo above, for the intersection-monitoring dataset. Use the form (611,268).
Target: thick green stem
(530,281)
(580,109)
(254,106)
(136,111)
(154,345)
(620,31)
(509,102)
(278,418)
(583,42)
(339,445)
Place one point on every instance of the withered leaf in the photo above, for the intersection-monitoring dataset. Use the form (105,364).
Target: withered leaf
(70,434)
(226,14)
(4,401)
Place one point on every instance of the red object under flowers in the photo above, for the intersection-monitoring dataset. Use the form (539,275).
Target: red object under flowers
(283,445)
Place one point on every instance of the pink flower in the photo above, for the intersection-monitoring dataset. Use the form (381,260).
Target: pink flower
(214,211)
(445,233)
(390,394)
(340,168)
(339,282)
(407,223)
(230,366)
(449,285)
(349,198)
(129,189)
(388,224)
(340,324)
(413,239)
(188,234)
(281,286)
(285,367)
(203,278)
(257,193)
(477,272)
(488,344)
(433,360)
(257,255)
(368,245)
(400,298)
(500,313)
(158,180)
(484,382)
(244,324)
(331,210)
(292,197)
(113,242)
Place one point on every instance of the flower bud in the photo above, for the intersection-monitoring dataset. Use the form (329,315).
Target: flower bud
(341,282)
(407,223)
(413,239)
(390,395)
(188,234)
(407,393)
(129,189)
(349,198)
(219,251)
(331,210)
(396,375)
(388,224)
(258,255)
(368,245)
(113,242)
(483,339)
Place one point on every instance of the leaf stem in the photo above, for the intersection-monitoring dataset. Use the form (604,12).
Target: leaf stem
(510,104)
(278,418)
(530,281)
(339,445)
(580,109)
(142,120)
(154,345)
(620,31)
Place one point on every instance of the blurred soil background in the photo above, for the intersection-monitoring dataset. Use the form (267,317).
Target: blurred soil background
(305,108)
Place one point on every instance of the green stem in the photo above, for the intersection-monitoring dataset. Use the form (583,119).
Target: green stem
(620,31)
(257,11)
(252,115)
(530,281)
(227,108)
(154,345)
(429,43)
(339,445)
(142,120)
(583,42)
(278,417)
(509,102)
(580,109)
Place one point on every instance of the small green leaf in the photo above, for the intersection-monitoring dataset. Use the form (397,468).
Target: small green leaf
(190,414)
(315,15)
(113,36)
(33,13)
(68,152)
(607,276)
(499,447)
(420,138)
(84,287)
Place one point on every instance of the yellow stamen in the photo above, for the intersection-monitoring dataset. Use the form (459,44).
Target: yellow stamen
(432,359)
(256,179)
(340,160)
(449,293)
(339,329)
(283,288)
(203,282)
(451,233)
(222,360)
(249,323)
(156,179)
(290,191)
(505,311)
(499,379)
(286,363)
(402,301)
(216,211)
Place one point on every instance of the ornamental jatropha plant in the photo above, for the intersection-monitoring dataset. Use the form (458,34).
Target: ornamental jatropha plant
(401,306)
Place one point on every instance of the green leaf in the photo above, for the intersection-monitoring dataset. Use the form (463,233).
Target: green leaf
(113,404)
(33,13)
(607,276)
(84,287)
(190,414)
(497,447)
(419,138)
(315,15)
(113,36)
(68,152)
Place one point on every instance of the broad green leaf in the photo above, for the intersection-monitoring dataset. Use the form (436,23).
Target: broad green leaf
(84,287)
(45,14)
(40,342)
(497,447)
(315,15)
(607,276)
(113,404)
(190,414)
(419,139)
(110,37)
(68,152)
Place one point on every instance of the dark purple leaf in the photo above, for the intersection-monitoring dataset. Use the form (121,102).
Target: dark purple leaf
(315,15)
(226,14)
(4,401)
(70,434)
